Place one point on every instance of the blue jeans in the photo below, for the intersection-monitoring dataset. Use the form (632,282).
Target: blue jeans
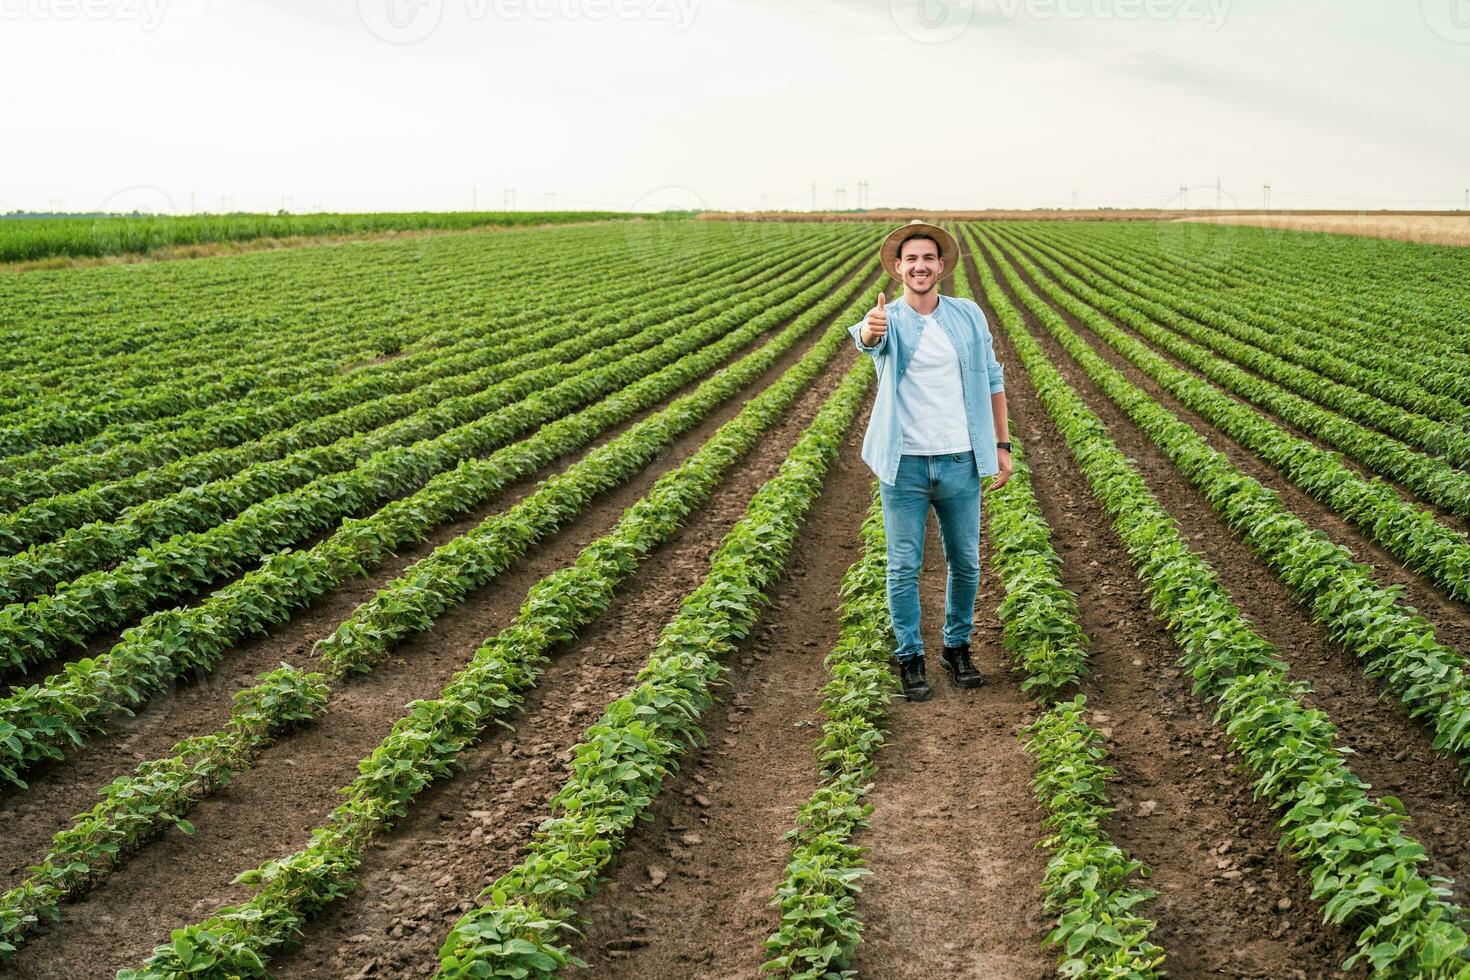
(949,483)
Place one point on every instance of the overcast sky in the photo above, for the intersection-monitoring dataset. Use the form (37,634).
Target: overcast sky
(360,105)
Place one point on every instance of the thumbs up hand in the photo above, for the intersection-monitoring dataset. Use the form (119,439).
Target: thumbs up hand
(876,325)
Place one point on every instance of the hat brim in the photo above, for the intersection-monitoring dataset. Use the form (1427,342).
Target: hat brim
(949,249)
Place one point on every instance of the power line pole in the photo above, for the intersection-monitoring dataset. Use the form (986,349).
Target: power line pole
(1266,191)
(1217,193)
(838,196)
(1184,196)
(1074,200)
(814,195)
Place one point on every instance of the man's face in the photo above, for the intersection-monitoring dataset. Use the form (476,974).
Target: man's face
(919,265)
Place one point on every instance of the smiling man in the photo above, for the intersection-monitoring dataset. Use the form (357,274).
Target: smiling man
(938,425)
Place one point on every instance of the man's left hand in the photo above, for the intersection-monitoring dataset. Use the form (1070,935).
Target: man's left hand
(1003,457)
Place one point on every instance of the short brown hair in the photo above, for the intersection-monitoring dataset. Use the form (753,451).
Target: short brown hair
(916,236)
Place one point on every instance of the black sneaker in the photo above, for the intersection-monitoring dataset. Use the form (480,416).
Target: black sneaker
(911,673)
(956,660)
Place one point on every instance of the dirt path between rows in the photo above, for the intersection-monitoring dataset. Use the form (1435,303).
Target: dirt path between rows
(1230,903)
(1450,520)
(954,889)
(464,833)
(1392,751)
(270,810)
(714,851)
(202,702)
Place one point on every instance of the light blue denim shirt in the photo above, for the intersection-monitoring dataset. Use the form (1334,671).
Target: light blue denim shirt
(980,376)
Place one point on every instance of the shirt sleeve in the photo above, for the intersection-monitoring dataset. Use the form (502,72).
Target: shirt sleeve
(993,368)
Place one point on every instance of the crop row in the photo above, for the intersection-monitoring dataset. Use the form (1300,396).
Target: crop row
(1362,866)
(1089,880)
(162,791)
(572,294)
(1432,479)
(38,722)
(39,238)
(98,544)
(1212,331)
(231,425)
(1313,303)
(146,325)
(819,929)
(408,298)
(193,348)
(1392,283)
(155,797)
(423,745)
(108,598)
(104,500)
(1411,533)
(1271,332)
(413,601)
(1321,324)
(1397,645)
(621,762)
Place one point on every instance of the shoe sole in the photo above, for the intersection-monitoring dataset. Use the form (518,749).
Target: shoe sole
(955,678)
(920,697)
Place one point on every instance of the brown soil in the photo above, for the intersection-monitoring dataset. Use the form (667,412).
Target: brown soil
(955,889)
(244,820)
(1450,520)
(1229,901)
(717,829)
(1393,752)
(464,833)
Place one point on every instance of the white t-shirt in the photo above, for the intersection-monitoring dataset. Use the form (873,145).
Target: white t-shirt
(931,398)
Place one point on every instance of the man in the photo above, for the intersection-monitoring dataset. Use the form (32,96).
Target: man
(938,425)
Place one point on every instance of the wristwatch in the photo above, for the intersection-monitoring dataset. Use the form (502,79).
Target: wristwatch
(1003,445)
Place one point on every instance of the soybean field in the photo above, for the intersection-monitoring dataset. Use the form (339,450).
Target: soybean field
(512,604)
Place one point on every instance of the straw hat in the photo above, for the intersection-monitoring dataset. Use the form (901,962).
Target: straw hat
(949,249)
